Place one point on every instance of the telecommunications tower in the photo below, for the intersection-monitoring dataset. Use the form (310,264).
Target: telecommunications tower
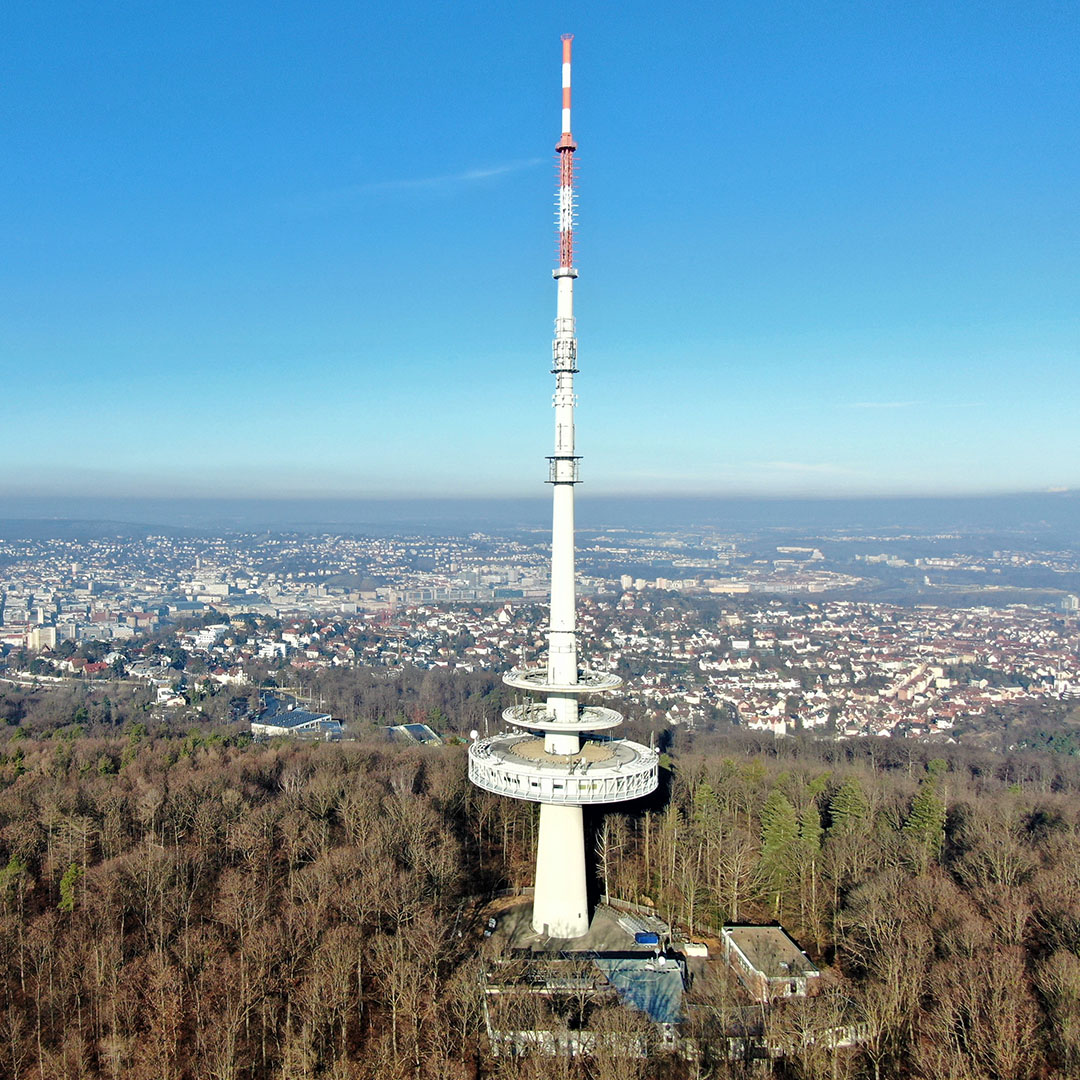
(556,755)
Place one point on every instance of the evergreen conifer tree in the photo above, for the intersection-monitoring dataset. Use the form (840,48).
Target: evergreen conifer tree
(779,845)
(810,834)
(810,830)
(67,888)
(848,807)
(706,806)
(925,824)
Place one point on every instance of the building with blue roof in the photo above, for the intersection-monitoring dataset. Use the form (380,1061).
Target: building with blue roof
(282,716)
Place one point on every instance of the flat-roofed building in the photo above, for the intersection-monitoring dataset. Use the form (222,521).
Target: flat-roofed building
(768,962)
(284,718)
(40,638)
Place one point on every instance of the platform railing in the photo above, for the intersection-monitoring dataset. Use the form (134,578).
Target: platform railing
(574,785)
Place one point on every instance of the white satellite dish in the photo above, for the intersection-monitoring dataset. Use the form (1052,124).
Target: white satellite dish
(474,735)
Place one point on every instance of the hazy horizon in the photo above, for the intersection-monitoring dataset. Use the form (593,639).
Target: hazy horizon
(1049,513)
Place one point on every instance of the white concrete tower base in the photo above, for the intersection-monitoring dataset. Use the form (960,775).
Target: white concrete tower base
(561,900)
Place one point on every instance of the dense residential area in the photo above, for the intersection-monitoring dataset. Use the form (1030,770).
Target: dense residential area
(838,669)
(189,616)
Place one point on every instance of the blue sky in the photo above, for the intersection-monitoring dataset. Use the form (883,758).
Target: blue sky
(284,249)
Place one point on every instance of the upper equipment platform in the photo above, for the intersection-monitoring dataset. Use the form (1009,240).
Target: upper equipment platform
(536,680)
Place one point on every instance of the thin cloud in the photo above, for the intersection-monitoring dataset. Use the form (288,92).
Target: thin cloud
(914,404)
(469,176)
(801,467)
(737,471)
(335,198)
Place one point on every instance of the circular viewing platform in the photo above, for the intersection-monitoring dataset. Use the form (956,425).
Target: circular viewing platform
(536,680)
(517,765)
(536,716)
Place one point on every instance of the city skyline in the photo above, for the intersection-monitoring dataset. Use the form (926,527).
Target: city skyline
(826,252)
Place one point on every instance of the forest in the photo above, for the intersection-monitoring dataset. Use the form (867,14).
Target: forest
(191,904)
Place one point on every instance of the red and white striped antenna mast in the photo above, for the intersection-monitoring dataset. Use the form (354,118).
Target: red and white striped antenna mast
(566,147)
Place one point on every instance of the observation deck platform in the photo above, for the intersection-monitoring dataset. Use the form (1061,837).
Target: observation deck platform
(536,680)
(516,764)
